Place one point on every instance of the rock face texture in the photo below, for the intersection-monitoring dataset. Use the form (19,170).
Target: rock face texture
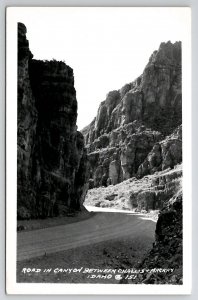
(128,148)
(52,160)
(154,97)
(135,154)
(140,195)
(165,154)
(132,134)
(159,196)
(167,251)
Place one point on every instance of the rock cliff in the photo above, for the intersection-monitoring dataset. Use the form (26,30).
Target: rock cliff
(167,251)
(135,154)
(132,134)
(140,195)
(153,98)
(52,161)
(165,154)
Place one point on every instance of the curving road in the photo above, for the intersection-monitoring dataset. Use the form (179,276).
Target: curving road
(102,226)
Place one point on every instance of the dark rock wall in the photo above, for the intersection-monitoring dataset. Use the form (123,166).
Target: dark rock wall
(52,161)
(167,251)
(27,123)
(137,121)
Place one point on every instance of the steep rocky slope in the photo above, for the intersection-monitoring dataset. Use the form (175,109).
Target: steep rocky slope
(135,155)
(167,251)
(167,153)
(157,196)
(52,163)
(153,98)
(139,195)
(132,134)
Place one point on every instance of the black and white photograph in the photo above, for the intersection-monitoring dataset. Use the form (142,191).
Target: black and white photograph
(98,150)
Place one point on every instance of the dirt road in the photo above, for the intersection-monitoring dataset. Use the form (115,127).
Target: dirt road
(102,226)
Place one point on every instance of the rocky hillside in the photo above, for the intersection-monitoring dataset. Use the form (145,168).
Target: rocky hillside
(52,161)
(153,98)
(139,195)
(157,196)
(135,156)
(167,251)
(137,130)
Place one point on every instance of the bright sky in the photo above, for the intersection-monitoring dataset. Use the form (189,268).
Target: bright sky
(106,47)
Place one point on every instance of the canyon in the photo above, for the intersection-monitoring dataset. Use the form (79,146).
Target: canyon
(128,158)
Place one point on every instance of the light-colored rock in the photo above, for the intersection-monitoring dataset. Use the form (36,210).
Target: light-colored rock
(114,170)
(134,125)
(165,154)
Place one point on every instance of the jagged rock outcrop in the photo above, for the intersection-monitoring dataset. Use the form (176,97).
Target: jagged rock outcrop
(128,148)
(135,149)
(167,251)
(138,121)
(139,195)
(154,97)
(164,185)
(52,160)
(165,154)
